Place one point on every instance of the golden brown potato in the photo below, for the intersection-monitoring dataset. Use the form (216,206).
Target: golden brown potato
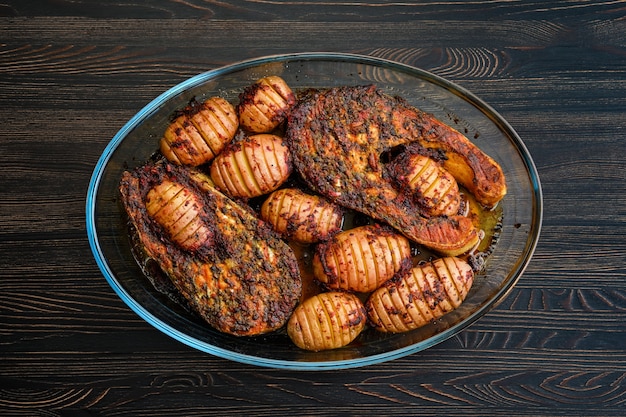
(327,321)
(360,259)
(176,209)
(435,190)
(265,104)
(200,132)
(300,216)
(422,295)
(254,166)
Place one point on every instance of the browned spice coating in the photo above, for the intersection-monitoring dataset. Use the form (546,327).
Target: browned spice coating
(337,137)
(246,282)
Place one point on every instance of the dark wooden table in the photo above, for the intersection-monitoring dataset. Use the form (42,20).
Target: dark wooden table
(73,72)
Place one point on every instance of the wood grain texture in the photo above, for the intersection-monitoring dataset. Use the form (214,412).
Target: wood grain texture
(72,73)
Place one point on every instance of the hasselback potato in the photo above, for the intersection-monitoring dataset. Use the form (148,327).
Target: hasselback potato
(300,216)
(265,104)
(360,259)
(254,166)
(177,210)
(199,132)
(434,189)
(327,321)
(423,294)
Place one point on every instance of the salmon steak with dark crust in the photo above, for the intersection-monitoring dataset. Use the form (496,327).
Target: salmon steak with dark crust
(232,269)
(338,136)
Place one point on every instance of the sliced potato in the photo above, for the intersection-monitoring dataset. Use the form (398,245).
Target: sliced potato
(434,189)
(422,295)
(360,259)
(265,104)
(256,165)
(327,321)
(200,132)
(300,216)
(177,210)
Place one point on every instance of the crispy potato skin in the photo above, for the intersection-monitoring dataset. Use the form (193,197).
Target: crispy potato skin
(423,294)
(199,132)
(302,217)
(254,166)
(265,104)
(360,259)
(244,281)
(327,321)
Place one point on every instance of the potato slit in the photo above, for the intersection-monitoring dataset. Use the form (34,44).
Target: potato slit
(452,286)
(409,306)
(221,117)
(273,164)
(326,331)
(398,309)
(356,272)
(219,138)
(183,213)
(288,211)
(417,180)
(179,151)
(370,247)
(170,205)
(226,171)
(386,258)
(431,278)
(275,208)
(246,173)
(200,148)
(382,309)
(337,279)
(419,277)
(259,113)
(428,190)
(274,97)
(257,157)
(343,314)
(212,139)
(443,280)
(309,328)
(330,314)
(160,196)
(298,221)
(193,235)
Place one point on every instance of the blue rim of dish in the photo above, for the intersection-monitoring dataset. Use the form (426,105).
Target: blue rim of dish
(151,107)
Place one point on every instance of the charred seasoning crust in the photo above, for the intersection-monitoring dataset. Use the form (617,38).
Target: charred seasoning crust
(247,282)
(337,138)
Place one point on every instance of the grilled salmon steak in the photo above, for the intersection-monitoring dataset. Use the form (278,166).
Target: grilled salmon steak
(338,138)
(234,271)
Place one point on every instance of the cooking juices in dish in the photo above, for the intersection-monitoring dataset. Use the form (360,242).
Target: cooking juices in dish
(346,192)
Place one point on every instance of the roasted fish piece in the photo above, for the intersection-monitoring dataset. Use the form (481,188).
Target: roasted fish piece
(337,137)
(242,279)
